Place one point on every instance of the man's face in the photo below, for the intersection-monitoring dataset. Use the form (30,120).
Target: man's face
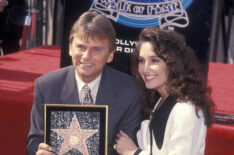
(90,56)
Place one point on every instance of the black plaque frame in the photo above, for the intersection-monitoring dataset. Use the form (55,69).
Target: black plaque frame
(60,116)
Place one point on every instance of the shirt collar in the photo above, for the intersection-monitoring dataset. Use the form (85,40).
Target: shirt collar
(91,85)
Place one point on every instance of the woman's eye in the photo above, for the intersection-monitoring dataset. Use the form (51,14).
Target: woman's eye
(140,60)
(155,60)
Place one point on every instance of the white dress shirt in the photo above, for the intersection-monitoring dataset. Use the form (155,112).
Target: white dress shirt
(92,85)
(185,133)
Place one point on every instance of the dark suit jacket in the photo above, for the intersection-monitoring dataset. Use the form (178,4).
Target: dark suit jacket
(117,90)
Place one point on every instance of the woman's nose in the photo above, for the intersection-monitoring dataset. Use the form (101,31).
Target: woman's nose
(146,67)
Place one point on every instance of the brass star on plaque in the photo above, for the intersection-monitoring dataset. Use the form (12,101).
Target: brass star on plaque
(74,137)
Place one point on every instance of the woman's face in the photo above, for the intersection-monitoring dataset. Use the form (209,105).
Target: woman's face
(152,69)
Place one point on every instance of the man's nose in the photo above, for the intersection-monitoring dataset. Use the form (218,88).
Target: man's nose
(86,54)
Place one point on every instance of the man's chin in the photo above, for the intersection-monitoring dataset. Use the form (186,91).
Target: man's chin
(85,68)
(84,74)
(82,69)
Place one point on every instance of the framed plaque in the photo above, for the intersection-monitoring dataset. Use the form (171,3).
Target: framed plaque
(76,129)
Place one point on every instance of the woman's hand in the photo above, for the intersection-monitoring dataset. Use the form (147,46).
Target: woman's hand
(124,144)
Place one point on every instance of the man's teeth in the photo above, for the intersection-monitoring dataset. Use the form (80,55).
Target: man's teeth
(87,65)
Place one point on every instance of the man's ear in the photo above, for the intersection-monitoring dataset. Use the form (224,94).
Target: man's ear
(111,56)
(70,49)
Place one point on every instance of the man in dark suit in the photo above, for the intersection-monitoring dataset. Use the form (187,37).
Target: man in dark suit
(91,46)
(11,24)
(3,4)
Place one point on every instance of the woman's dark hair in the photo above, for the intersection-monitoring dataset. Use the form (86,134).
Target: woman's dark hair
(185,80)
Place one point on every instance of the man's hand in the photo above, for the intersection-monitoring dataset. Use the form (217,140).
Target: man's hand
(44,149)
(3,3)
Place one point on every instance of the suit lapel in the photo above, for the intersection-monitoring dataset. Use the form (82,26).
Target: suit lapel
(105,92)
(69,93)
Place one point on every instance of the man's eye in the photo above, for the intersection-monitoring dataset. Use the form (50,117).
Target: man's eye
(97,49)
(80,47)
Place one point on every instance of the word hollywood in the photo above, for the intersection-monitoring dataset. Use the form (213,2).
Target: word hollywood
(126,46)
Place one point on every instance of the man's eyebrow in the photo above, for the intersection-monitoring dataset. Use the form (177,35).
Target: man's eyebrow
(98,47)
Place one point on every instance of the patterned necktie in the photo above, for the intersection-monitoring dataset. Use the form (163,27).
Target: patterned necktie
(88,100)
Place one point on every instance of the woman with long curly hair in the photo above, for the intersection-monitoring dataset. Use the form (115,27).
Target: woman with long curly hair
(174,95)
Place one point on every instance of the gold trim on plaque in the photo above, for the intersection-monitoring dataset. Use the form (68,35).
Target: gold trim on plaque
(78,106)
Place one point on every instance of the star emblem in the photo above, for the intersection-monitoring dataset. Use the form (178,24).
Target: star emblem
(74,137)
